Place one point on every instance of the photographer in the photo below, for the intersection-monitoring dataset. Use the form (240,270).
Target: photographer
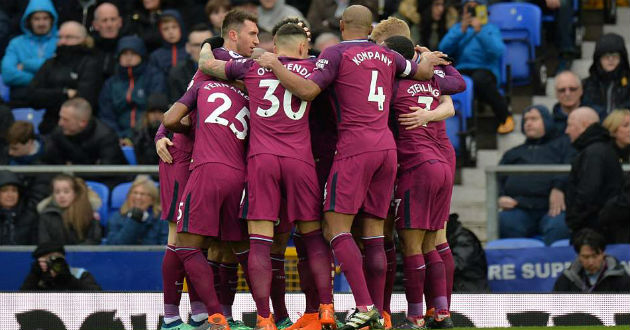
(50,271)
(138,222)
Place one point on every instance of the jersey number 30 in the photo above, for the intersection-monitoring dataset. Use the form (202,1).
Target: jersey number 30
(271,85)
(215,116)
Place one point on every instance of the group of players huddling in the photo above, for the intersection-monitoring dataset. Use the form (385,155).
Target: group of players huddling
(240,171)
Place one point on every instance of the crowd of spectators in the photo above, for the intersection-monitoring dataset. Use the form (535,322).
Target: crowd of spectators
(106,73)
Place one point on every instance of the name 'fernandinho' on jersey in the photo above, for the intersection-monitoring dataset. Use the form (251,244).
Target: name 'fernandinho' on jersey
(371,55)
(214,84)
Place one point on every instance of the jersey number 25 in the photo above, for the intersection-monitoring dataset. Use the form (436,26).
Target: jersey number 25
(215,116)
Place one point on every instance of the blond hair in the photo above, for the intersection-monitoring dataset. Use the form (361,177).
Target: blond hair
(148,184)
(390,27)
(80,214)
(615,119)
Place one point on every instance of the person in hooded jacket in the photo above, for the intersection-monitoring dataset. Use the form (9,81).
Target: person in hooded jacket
(18,221)
(171,29)
(73,71)
(123,98)
(608,86)
(593,270)
(596,174)
(27,52)
(534,204)
(471,267)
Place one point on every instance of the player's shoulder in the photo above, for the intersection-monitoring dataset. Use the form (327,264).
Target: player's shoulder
(225,54)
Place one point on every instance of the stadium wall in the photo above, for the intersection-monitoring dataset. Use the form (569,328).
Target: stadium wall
(141,311)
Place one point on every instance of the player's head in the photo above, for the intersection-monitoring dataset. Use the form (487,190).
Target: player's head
(388,28)
(356,21)
(291,40)
(240,32)
(402,45)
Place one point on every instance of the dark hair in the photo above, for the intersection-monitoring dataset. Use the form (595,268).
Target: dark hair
(291,30)
(288,20)
(199,27)
(20,132)
(402,45)
(234,19)
(588,237)
(425,9)
(214,5)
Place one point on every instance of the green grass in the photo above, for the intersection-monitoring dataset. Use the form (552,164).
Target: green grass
(600,327)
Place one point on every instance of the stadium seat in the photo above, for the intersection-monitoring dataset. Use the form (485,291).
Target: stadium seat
(514,243)
(130,154)
(520,25)
(29,114)
(560,243)
(457,125)
(103,192)
(4,91)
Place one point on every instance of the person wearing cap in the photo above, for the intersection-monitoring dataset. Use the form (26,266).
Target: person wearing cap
(534,205)
(51,272)
(477,48)
(123,99)
(608,86)
(18,222)
(143,136)
(73,71)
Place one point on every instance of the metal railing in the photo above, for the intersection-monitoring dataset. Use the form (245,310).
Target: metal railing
(83,169)
(492,188)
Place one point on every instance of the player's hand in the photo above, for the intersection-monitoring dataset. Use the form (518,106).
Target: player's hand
(475,22)
(556,202)
(418,117)
(161,146)
(553,4)
(185,121)
(267,60)
(434,58)
(507,202)
(419,49)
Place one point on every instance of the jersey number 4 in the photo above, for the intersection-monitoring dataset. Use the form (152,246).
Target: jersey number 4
(376,93)
(215,116)
(271,85)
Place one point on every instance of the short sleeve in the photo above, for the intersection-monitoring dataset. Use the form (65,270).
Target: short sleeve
(326,67)
(189,99)
(404,67)
(237,69)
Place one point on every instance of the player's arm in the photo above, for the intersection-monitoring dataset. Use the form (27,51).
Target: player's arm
(209,65)
(305,89)
(451,82)
(420,116)
(174,118)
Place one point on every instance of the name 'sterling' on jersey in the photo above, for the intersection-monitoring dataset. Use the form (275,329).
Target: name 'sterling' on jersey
(423,87)
(367,55)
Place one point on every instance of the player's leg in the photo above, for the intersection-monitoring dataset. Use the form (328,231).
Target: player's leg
(172,280)
(447,257)
(278,280)
(435,283)
(310,319)
(415,272)
(259,263)
(390,275)
(214,260)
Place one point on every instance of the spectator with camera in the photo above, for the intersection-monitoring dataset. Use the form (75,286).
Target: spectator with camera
(51,272)
(477,47)
(18,222)
(593,270)
(67,217)
(138,221)
(618,125)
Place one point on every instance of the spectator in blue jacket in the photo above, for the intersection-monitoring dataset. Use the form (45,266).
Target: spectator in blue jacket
(477,49)
(173,48)
(138,221)
(534,204)
(27,52)
(123,99)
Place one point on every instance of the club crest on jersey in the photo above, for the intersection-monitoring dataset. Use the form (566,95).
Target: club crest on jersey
(321,63)
(440,73)
(363,56)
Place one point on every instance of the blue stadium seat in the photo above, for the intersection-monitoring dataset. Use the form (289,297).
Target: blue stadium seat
(463,103)
(103,192)
(130,154)
(29,114)
(560,243)
(119,194)
(520,25)
(4,90)
(514,243)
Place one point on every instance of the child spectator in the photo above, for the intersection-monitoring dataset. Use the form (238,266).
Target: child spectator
(67,217)
(124,96)
(618,124)
(18,222)
(73,71)
(608,86)
(27,52)
(216,10)
(143,141)
(172,50)
(25,148)
(138,221)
